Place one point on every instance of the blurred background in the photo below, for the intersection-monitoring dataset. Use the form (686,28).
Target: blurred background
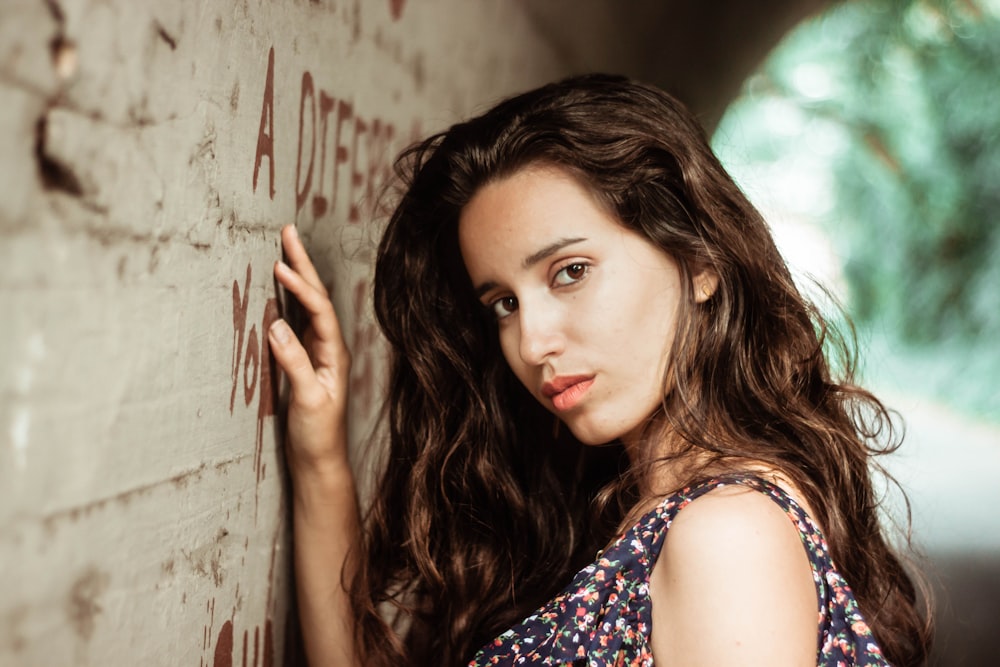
(870,137)
(150,153)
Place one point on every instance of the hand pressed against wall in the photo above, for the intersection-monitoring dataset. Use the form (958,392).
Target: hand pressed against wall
(318,367)
(324,507)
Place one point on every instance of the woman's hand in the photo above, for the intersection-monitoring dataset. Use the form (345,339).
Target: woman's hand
(318,368)
(324,507)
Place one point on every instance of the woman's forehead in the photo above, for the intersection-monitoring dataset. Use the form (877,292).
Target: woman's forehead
(533,201)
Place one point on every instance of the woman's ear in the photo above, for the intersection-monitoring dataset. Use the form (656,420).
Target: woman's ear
(705,282)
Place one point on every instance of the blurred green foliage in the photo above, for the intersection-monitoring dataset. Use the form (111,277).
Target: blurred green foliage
(908,92)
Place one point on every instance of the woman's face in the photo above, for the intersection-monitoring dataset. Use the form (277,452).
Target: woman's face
(586,309)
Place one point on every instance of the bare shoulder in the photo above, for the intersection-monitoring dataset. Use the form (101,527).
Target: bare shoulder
(733,585)
(731,512)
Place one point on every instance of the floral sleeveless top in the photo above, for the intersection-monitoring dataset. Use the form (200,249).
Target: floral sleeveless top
(604,617)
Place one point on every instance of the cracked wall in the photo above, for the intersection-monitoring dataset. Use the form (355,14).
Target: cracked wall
(150,152)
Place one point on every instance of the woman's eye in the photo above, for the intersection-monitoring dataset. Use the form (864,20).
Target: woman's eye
(504,306)
(571,273)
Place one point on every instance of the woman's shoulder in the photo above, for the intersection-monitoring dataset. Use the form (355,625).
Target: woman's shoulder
(745,495)
(736,514)
(758,515)
(733,581)
(746,518)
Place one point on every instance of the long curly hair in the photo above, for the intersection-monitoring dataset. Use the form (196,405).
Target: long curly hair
(483,510)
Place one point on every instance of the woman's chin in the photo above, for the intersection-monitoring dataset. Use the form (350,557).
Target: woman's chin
(593,437)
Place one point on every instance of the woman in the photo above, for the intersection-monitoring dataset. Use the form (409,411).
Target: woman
(574,268)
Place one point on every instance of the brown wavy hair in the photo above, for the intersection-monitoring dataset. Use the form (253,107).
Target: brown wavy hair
(483,510)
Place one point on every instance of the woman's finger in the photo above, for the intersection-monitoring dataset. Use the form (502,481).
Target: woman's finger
(323,318)
(295,362)
(299,258)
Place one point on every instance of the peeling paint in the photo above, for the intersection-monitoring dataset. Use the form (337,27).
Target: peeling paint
(83,601)
(54,174)
(64,57)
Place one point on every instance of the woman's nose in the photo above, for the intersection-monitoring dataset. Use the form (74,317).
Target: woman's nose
(541,332)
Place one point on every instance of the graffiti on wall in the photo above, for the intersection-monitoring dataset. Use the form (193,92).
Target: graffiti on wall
(343,156)
(251,363)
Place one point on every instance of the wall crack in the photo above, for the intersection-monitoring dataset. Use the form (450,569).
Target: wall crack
(54,174)
(165,36)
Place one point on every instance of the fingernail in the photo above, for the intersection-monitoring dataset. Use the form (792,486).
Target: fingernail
(282,266)
(281,331)
(295,231)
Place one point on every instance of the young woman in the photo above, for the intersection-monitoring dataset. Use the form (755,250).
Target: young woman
(596,349)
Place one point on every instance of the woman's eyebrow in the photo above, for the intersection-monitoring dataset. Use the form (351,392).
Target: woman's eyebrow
(550,249)
(533,259)
(484,288)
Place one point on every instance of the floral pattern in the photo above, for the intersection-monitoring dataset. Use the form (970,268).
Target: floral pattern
(604,616)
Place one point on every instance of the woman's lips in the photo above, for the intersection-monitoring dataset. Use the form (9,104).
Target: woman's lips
(567,392)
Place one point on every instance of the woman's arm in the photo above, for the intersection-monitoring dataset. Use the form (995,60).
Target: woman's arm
(733,586)
(324,506)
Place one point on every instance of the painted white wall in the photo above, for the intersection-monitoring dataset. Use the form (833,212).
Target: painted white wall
(149,154)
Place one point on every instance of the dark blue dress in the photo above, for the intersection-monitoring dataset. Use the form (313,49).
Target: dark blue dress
(604,617)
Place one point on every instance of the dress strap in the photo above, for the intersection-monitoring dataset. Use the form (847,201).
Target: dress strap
(651,530)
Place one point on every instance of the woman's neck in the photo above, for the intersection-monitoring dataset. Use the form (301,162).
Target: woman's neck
(663,463)
(660,460)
